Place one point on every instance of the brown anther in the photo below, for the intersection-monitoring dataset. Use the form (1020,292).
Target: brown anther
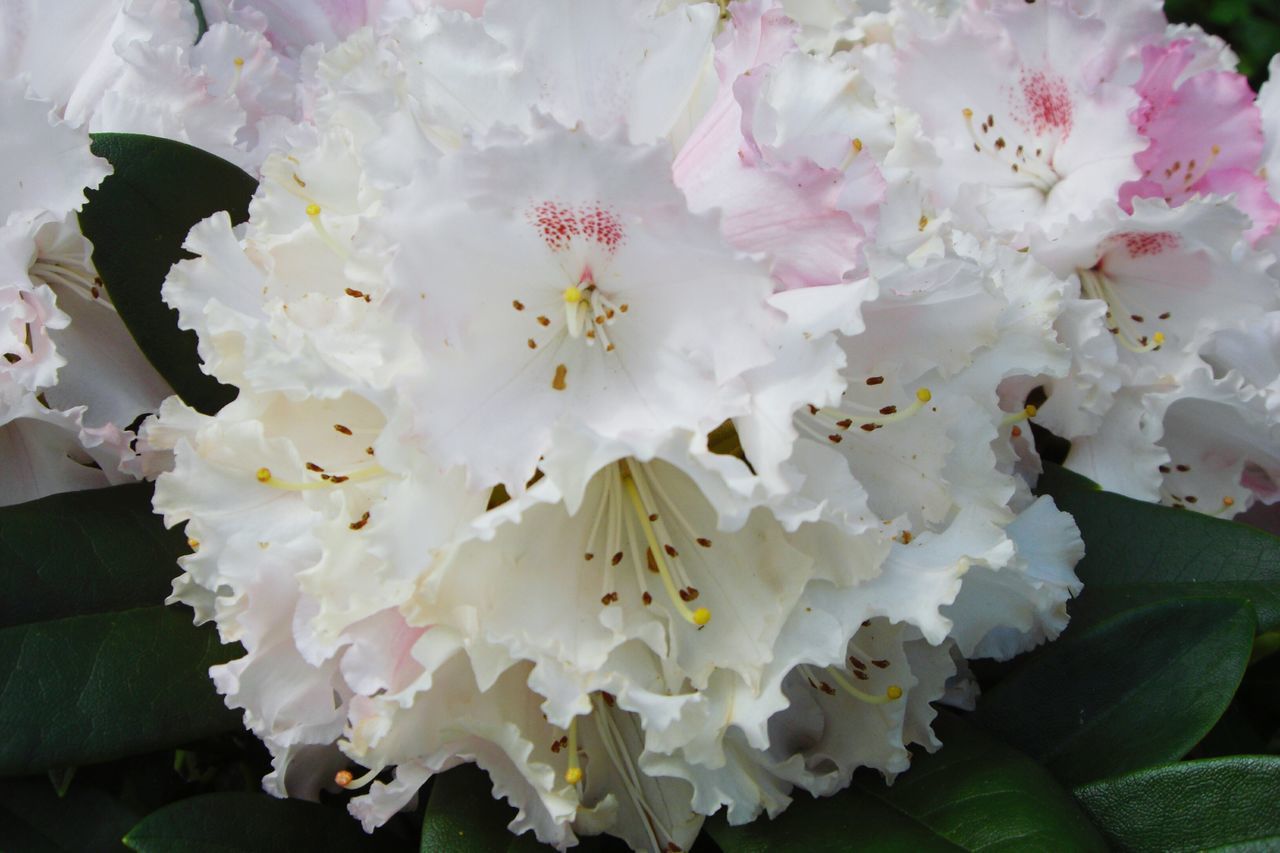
(906,537)
(1165,316)
(609,348)
(693,593)
(557,381)
(356,294)
(880,664)
(923,223)
(298,180)
(356,525)
(856,664)
(875,380)
(653,516)
(1183,468)
(555,746)
(647,599)
(888,410)
(311,466)
(1192,499)
(588,556)
(369,451)
(615,559)
(533,344)
(827,688)
(608,313)
(609,598)
(517,304)
(684,595)
(869,427)
(835,438)
(1137,318)
(543,320)
(599,318)
(671,552)
(624,307)
(93,291)
(338,478)
(1165,469)
(813,410)
(1000,144)
(860,675)
(649,560)
(344,430)
(845,424)
(704,542)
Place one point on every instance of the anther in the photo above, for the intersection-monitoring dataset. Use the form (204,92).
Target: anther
(891,694)
(574,774)
(888,414)
(264,475)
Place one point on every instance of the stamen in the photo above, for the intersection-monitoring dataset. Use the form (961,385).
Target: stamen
(1119,319)
(702,615)
(369,472)
(892,694)
(238,62)
(888,415)
(574,774)
(1027,412)
(313,214)
(345,779)
(1017,160)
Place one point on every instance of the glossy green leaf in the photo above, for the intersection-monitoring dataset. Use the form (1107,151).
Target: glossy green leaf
(973,794)
(250,823)
(84,552)
(138,220)
(462,814)
(1137,689)
(202,23)
(93,688)
(1190,805)
(1137,553)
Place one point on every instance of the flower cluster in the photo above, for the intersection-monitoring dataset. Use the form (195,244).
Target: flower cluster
(636,398)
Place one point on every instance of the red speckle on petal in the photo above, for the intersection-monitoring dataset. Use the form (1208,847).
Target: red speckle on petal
(1048,103)
(1142,245)
(560,224)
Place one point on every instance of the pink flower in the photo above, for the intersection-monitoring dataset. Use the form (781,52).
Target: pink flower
(1205,132)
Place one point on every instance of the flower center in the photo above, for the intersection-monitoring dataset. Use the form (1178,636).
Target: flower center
(1032,163)
(1123,323)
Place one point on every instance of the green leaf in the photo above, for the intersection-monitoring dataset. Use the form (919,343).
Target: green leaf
(462,815)
(1137,553)
(93,688)
(84,552)
(1190,805)
(249,823)
(973,794)
(137,221)
(202,23)
(1137,689)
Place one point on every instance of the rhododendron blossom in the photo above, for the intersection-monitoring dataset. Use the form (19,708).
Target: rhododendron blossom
(643,401)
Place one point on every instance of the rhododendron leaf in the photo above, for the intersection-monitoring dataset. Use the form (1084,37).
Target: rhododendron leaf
(1139,688)
(84,552)
(201,22)
(973,794)
(92,688)
(251,823)
(1136,553)
(463,816)
(34,816)
(1190,805)
(137,221)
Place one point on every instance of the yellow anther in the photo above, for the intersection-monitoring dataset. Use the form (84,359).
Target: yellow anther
(313,210)
(264,475)
(968,113)
(894,692)
(238,62)
(857,144)
(924,395)
(701,616)
(572,294)
(1158,338)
